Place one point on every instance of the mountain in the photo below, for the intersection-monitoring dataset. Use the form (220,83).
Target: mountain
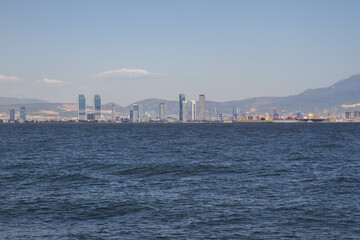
(152,105)
(10,101)
(44,109)
(118,108)
(341,96)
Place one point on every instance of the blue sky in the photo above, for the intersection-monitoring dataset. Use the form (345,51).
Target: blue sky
(130,50)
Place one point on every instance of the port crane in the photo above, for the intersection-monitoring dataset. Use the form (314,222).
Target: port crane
(299,115)
(235,113)
(275,113)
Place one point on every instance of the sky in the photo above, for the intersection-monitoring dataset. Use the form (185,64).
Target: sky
(128,51)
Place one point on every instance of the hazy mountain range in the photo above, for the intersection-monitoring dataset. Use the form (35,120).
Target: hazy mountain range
(11,101)
(342,95)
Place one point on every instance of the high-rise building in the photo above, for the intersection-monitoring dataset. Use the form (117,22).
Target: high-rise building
(81,107)
(162,111)
(12,115)
(207,116)
(137,113)
(135,116)
(201,116)
(22,117)
(184,111)
(146,117)
(113,112)
(141,114)
(347,115)
(97,106)
(132,115)
(181,100)
(356,114)
(192,115)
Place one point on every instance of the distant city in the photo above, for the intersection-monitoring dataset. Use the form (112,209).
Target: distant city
(339,102)
(188,112)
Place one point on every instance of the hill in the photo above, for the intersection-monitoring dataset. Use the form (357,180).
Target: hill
(10,101)
(341,96)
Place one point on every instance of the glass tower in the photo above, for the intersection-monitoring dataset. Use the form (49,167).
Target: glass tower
(81,107)
(12,115)
(113,112)
(97,106)
(192,110)
(162,111)
(131,115)
(201,107)
(181,100)
(22,117)
(138,116)
(185,111)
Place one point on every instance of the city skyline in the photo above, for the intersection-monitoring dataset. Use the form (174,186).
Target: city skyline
(233,50)
(344,91)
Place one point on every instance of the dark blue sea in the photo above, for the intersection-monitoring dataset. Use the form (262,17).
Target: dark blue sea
(180,181)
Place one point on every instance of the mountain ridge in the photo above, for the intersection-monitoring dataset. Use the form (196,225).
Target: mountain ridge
(345,92)
(13,100)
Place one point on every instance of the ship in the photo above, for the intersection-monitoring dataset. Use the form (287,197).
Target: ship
(314,120)
(252,120)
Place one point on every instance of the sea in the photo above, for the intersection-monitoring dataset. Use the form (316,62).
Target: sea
(180,181)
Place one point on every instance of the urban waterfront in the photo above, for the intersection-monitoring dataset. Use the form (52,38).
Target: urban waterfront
(179,181)
(188,111)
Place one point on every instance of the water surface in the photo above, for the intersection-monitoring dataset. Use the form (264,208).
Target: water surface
(179,181)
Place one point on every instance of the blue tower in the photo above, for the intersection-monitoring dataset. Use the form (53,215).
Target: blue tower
(181,100)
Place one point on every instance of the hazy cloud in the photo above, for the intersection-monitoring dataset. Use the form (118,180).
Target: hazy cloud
(52,82)
(127,73)
(13,79)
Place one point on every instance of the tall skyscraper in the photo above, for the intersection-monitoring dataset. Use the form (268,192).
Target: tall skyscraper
(138,115)
(97,106)
(81,107)
(181,100)
(185,111)
(113,112)
(192,111)
(201,116)
(132,116)
(22,117)
(162,111)
(12,115)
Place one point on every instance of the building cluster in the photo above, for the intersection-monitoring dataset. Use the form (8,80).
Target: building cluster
(136,114)
(352,115)
(187,109)
(22,115)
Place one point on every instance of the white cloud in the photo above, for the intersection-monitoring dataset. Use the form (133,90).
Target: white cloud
(127,73)
(52,82)
(13,79)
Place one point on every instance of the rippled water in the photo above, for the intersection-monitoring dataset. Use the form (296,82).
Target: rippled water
(179,181)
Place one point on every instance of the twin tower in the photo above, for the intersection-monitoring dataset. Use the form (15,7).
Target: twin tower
(95,115)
